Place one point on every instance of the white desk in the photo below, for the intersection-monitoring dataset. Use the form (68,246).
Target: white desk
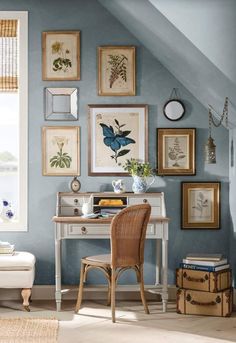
(75,227)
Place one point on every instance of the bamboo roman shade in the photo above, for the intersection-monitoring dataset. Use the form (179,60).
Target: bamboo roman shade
(8,56)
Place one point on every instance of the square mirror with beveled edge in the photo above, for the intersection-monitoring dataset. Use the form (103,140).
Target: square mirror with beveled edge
(61,104)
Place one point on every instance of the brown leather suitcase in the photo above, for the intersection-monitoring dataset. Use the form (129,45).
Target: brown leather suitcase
(204,281)
(205,303)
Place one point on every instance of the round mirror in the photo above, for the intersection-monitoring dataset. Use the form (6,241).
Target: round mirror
(174,109)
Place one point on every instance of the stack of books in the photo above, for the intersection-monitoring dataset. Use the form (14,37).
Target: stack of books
(6,249)
(205,262)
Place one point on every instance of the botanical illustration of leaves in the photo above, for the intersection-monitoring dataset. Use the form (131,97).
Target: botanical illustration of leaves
(123,152)
(118,68)
(201,196)
(116,121)
(125,133)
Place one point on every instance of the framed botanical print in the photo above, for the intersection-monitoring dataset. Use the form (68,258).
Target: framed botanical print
(61,150)
(116,133)
(176,151)
(200,205)
(116,70)
(61,55)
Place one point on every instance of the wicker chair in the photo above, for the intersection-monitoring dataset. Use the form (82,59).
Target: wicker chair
(128,231)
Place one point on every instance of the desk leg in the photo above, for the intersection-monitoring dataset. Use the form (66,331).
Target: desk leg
(165,268)
(58,266)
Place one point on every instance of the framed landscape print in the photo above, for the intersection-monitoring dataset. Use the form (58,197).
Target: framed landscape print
(61,150)
(116,133)
(116,70)
(176,151)
(200,205)
(61,55)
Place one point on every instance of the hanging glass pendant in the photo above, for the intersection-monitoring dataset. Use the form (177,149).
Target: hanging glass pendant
(210,151)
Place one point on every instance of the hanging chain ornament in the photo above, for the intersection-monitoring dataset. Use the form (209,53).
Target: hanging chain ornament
(224,114)
(210,147)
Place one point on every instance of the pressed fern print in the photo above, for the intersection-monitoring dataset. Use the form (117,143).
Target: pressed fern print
(118,70)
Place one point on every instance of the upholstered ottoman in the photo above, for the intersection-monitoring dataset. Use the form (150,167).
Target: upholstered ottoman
(17,271)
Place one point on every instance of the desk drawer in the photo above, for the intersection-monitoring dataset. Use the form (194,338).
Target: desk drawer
(69,211)
(98,230)
(73,200)
(88,229)
(145,200)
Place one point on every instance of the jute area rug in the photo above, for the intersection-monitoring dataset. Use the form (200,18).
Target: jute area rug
(28,330)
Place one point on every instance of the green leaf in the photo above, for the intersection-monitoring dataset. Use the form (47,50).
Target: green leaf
(125,133)
(123,152)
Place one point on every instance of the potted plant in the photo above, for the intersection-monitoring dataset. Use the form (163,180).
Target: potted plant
(140,171)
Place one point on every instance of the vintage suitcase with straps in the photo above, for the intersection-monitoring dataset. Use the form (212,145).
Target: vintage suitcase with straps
(203,280)
(205,303)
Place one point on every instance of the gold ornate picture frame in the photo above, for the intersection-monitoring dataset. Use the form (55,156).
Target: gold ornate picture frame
(176,151)
(200,205)
(116,71)
(61,150)
(61,55)
(116,133)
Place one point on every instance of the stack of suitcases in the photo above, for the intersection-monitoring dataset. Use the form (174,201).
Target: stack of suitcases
(204,285)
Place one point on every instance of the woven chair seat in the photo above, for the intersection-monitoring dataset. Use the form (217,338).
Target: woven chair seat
(103,259)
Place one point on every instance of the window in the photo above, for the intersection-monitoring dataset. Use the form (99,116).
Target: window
(13,119)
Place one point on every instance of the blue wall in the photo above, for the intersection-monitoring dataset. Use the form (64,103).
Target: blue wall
(154,85)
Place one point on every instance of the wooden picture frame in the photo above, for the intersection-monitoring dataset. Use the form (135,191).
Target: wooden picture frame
(116,133)
(61,55)
(61,150)
(116,71)
(176,151)
(200,205)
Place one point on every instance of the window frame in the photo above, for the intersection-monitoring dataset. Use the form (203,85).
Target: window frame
(22,224)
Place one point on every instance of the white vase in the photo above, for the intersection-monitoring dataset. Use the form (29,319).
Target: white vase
(86,208)
(141,183)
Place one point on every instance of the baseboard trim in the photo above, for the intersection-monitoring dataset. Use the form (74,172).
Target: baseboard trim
(47,292)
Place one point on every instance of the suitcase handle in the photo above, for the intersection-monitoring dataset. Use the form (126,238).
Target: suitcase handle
(194,279)
(210,303)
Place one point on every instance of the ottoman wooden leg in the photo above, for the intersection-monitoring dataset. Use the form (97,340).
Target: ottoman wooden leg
(26,293)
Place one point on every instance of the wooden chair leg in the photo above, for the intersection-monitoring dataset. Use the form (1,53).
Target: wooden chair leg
(113,288)
(109,294)
(142,292)
(26,293)
(81,286)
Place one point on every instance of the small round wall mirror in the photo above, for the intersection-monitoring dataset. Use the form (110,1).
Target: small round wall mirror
(174,109)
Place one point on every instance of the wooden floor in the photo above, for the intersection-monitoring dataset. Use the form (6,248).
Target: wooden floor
(93,324)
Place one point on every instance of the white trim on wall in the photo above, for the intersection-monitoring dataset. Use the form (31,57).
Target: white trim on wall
(22,17)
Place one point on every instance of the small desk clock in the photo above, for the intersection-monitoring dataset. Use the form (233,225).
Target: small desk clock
(75,185)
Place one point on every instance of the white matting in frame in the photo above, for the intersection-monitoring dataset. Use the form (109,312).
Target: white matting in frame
(116,133)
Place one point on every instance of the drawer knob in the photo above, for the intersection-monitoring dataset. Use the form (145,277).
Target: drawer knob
(83,230)
(76,212)
(76,201)
(145,201)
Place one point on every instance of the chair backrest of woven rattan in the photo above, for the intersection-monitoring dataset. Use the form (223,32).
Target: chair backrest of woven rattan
(128,232)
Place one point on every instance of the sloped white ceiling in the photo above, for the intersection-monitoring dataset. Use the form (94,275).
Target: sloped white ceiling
(197,54)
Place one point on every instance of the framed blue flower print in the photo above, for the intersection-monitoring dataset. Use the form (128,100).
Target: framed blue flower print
(116,133)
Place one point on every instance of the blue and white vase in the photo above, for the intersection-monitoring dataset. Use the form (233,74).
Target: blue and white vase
(7,212)
(140,184)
